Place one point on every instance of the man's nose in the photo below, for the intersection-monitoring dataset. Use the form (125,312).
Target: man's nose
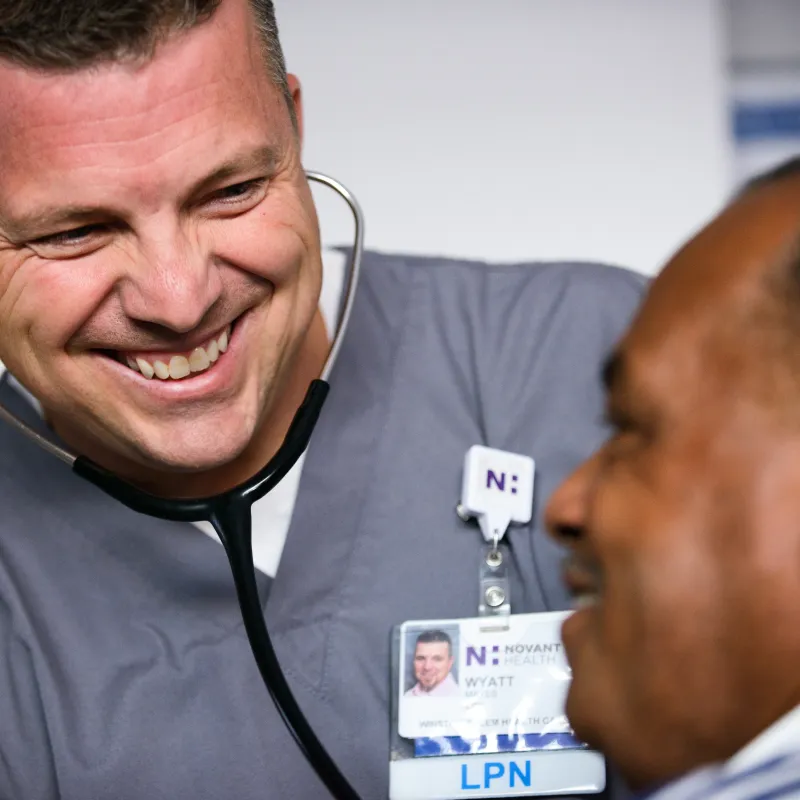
(565,516)
(174,284)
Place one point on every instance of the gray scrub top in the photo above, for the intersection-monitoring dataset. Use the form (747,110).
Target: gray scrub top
(124,669)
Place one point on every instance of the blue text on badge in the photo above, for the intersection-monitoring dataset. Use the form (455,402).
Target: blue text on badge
(493,772)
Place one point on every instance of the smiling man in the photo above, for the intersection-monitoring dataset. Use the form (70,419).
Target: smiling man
(160,272)
(433,662)
(145,193)
(685,527)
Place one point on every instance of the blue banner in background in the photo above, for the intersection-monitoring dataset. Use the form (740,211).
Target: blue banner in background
(764,118)
(757,121)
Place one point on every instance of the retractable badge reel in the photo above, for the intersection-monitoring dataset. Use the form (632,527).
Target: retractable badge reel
(497,491)
(478,703)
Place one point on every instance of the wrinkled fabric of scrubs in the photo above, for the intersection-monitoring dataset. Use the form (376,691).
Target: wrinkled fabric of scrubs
(125,672)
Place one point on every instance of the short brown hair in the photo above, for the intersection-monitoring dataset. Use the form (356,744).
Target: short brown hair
(66,35)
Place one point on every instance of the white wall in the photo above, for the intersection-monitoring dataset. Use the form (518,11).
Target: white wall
(517,129)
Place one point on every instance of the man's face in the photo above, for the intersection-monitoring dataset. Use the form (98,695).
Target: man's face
(155,222)
(685,527)
(432,663)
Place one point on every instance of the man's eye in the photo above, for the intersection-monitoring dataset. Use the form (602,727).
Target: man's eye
(72,243)
(240,191)
(75,236)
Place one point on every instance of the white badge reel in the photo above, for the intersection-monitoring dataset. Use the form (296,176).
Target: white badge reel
(497,491)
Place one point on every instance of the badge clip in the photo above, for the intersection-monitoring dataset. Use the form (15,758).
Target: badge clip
(494,588)
(496,491)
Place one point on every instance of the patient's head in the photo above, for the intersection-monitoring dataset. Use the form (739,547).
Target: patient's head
(684,528)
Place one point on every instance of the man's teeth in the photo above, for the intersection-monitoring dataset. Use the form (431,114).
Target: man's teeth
(143,367)
(180,366)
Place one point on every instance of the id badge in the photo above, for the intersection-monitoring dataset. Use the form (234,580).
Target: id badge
(479,712)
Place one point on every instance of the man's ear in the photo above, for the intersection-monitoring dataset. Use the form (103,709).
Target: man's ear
(297,100)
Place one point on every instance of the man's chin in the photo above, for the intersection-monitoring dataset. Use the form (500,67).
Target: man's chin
(184,447)
(187,461)
(187,455)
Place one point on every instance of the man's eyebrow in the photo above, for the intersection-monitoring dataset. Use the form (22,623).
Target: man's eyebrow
(613,368)
(263,159)
(46,219)
(51,218)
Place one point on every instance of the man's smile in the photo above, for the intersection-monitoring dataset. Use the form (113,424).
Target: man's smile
(163,365)
(212,368)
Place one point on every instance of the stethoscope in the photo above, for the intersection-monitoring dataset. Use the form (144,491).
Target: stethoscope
(230,514)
